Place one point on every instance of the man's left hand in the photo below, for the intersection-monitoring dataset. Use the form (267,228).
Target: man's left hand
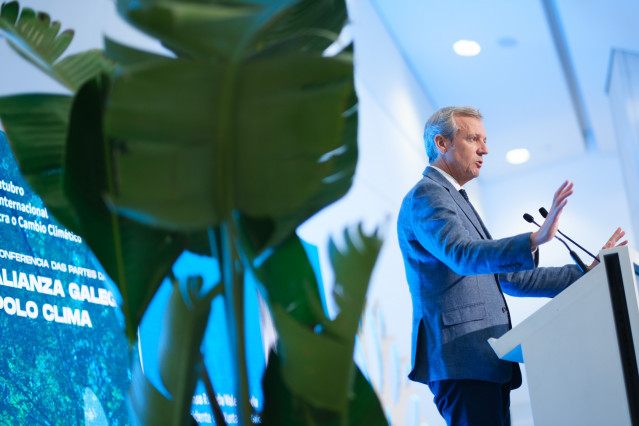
(612,242)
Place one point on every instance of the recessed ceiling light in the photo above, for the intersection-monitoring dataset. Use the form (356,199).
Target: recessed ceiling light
(466,48)
(517,156)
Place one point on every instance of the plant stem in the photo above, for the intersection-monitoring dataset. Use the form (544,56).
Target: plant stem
(215,407)
(233,278)
(307,414)
(117,239)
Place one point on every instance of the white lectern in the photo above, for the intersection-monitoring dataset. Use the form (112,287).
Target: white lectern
(581,348)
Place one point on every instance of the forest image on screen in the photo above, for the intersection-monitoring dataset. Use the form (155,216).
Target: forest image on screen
(65,356)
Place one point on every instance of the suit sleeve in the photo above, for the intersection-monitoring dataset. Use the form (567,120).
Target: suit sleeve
(445,232)
(541,282)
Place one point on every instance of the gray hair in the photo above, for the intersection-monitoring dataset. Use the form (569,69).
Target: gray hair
(442,122)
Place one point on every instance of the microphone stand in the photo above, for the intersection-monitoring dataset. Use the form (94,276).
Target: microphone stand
(528,218)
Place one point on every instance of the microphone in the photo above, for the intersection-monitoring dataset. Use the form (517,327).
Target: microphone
(544,213)
(528,218)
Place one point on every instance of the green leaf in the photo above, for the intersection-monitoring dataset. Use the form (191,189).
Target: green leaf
(353,265)
(75,70)
(203,30)
(126,56)
(184,324)
(39,123)
(36,126)
(289,281)
(317,354)
(311,25)
(185,321)
(9,12)
(275,147)
(242,133)
(365,407)
(33,34)
(282,407)
(40,42)
(135,256)
(149,406)
(316,367)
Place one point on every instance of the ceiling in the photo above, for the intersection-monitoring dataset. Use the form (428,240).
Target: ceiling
(540,79)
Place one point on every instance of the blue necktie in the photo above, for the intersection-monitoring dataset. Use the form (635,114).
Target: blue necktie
(481,222)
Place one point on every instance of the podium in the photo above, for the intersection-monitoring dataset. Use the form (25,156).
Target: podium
(580,349)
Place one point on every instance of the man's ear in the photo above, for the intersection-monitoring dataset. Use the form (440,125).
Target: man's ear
(442,143)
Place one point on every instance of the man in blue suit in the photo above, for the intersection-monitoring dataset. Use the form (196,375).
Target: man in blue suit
(456,273)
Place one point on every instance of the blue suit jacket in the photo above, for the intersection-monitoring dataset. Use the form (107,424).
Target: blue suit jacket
(456,274)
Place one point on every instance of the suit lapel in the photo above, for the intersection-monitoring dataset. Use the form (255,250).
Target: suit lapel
(458,199)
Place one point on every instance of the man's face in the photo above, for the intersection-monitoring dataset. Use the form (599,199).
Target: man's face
(464,154)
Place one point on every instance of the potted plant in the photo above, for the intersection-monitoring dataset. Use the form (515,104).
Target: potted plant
(223,148)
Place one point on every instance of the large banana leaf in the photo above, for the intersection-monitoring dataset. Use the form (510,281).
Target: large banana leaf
(290,283)
(281,407)
(275,147)
(353,265)
(127,56)
(39,41)
(231,29)
(316,354)
(203,30)
(311,25)
(136,256)
(272,136)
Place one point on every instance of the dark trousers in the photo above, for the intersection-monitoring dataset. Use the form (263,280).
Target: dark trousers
(472,402)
